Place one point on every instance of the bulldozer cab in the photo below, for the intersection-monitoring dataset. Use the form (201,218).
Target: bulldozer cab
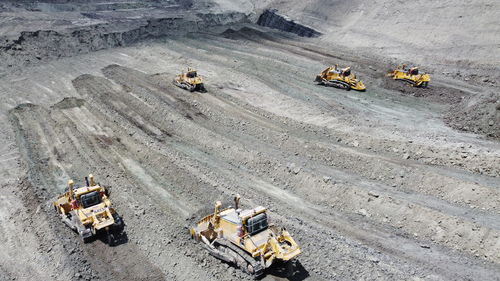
(402,67)
(257,224)
(90,199)
(413,71)
(346,71)
(332,70)
(246,222)
(192,74)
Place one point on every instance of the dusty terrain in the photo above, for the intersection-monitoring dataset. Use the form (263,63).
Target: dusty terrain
(395,183)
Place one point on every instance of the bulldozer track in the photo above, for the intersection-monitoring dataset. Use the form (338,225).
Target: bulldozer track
(257,268)
(338,84)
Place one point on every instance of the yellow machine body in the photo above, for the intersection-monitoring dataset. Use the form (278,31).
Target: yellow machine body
(190,81)
(340,78)
(244,238)
(87,209)
(410,75)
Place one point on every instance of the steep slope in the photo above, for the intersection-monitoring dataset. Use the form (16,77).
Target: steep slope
(440,34)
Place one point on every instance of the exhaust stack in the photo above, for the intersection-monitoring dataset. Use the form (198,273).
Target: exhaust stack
(237,202)
(70,188)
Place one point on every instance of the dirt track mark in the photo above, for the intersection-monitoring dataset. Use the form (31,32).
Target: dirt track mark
(235,139)
(379,237)
(150,183)
(201,148)
(398,112)
(125,267)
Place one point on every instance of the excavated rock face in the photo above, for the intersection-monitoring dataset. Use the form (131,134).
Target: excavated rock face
(271,18)
(42,45)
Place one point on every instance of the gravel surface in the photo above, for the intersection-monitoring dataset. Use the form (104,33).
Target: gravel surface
(387,184)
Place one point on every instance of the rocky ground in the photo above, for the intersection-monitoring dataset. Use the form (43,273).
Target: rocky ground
(395,183)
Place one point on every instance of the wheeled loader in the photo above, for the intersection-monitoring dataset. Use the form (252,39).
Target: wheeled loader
(88,211)
(244,238)
(410,75)
(190,81)
(340,78)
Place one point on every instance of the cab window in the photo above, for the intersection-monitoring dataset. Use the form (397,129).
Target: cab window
(90,199)
(192,74)
(257,224)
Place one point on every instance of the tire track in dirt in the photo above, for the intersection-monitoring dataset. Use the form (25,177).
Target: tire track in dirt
(417,246)
(478,191)
(360,158)
(147,138)
(202,191)
(156,173)
(371,105)
(440,260)
(171,223)
(487,219)
(128,262)
(37,189)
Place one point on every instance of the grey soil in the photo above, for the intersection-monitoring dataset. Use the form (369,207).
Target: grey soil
(396,183)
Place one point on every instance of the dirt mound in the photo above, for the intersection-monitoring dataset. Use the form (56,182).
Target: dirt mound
(69,102)
(433,93)
(479,114)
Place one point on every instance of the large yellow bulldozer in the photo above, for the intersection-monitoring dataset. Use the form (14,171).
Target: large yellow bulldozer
(190,81)
(410,75)
(244,238)
(87,210)
(340,78)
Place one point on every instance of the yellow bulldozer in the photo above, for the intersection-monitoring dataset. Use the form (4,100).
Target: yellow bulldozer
(244,238)
(340,78)
(87,210)
(410,75)
(190,81)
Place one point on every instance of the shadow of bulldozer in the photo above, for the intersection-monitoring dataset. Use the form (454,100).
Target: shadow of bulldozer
(291,270)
